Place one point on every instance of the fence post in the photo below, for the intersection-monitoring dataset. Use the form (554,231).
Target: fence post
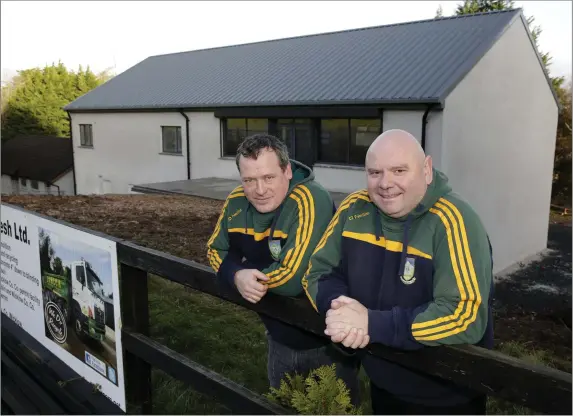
(135,311)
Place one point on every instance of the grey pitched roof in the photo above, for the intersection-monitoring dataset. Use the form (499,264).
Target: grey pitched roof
(414,62)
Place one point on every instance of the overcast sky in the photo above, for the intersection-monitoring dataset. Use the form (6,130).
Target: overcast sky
(118,35)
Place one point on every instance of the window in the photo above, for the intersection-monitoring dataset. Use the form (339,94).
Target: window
(34,184)
(362,134)
(86,135)
(171,139)
(81,274)
(23,181)
(334,140)
(236,129)
(346,140)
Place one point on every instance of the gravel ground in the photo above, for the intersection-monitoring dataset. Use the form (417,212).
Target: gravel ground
(525,309)
(542,286)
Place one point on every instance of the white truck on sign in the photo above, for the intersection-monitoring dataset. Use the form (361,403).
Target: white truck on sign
(78,292)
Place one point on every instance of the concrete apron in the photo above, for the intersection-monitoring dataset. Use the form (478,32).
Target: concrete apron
(212,188)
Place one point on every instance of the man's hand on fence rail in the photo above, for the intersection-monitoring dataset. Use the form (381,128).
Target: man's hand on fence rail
(347,322)
(249,286)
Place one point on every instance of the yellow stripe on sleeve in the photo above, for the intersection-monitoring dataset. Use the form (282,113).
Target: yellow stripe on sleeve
(458,247)
(349,200)
(308,225)
(305,287)
(302,222)
(395,246)
(212,254)
(346,203)
(475,300)
(258,236)
(214,259)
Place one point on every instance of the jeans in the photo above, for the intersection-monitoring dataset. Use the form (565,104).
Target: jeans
(283,360)
(384,403)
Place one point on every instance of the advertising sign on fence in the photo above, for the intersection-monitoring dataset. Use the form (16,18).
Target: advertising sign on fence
(61,285)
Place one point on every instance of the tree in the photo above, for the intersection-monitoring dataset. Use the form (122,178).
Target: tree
(439,12)
(320,393)
(482,6)
(561,192)
(32,102)
(46,252)
(58,266)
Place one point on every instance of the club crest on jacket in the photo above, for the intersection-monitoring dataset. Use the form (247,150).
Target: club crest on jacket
(409,268)
(275,249)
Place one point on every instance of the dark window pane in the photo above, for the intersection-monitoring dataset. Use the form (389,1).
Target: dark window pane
(303,146)
(362,134)
(80,275)
(237,129)
(86,137)
(171,139)
(285,132)
(234,135)
(257,126)
(334,137)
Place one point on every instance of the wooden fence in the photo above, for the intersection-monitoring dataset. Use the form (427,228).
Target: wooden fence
(540,388)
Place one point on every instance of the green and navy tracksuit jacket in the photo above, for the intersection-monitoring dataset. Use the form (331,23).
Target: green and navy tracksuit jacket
(426,280)
(278,243)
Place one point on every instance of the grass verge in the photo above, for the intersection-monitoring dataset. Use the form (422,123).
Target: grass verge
(224,337)
(531,355)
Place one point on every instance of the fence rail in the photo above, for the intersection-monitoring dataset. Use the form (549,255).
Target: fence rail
(34,381)
(538,387)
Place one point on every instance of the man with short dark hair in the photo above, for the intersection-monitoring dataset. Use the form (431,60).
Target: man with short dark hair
(405,263)
(267,230)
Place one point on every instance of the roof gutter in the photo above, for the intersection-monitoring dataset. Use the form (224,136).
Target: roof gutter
(187,139)
(73,156)
(424,123)
(417,102)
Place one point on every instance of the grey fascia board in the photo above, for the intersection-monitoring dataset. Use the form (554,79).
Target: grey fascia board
(171,107)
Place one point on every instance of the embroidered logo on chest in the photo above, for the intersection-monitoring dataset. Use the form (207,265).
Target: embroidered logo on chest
(409,268)
(237,212)
(358,216)
(275,249)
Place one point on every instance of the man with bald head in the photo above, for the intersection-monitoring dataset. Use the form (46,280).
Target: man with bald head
(405,263)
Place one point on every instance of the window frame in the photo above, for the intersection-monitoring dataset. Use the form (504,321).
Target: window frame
(178,138)
(349,142)
(352,146)
(317,122)
(225,130)
(83,142)
(83,274)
